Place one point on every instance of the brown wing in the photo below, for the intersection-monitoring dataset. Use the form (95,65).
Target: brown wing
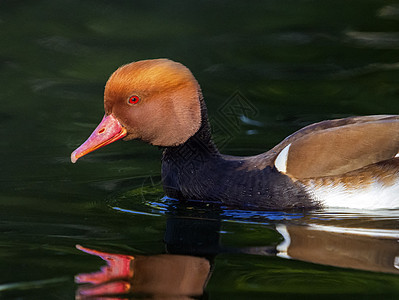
(335,147)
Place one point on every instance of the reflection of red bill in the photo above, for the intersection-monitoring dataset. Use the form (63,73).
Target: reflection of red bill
(108,131)
(118,267)
(112,279)
(111,288)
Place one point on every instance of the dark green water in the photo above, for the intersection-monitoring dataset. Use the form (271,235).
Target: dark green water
(294,63)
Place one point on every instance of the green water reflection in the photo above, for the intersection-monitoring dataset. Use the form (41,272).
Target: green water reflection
(297,62)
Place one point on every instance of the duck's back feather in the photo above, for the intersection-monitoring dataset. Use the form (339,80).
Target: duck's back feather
(335,147)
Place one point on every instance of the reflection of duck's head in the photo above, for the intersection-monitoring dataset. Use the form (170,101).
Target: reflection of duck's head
(160,102)
(164,275)
(182,273)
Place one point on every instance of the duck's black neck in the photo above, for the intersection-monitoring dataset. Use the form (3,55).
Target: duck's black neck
(184,166)
(196,170)
(199,144)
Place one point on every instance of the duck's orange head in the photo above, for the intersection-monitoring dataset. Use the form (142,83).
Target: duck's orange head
(157,101)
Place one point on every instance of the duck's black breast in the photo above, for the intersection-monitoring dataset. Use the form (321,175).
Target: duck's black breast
(196,170)
(231,181)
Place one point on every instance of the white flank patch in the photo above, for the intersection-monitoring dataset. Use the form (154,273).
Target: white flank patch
(374,196)
(397,155)
(282,248)
(281,160)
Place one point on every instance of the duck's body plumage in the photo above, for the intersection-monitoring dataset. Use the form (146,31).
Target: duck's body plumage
(197,170)
(351,162)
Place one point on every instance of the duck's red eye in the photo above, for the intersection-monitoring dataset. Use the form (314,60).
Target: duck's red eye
(134,99)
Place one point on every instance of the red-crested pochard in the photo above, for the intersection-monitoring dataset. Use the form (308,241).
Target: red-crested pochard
(351,162)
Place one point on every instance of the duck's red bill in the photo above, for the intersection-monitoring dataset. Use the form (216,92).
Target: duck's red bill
(108,131)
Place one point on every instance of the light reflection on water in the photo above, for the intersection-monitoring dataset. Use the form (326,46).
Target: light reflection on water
(195,237)
(374,224)
(161,206)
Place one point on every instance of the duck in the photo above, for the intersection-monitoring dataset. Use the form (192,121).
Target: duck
(351,162)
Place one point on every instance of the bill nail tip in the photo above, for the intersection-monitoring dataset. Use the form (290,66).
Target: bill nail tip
(73,158)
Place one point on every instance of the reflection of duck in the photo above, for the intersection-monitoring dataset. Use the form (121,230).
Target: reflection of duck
(350,162)
(358,248)
(193,241)
(166,275)
(181,273)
